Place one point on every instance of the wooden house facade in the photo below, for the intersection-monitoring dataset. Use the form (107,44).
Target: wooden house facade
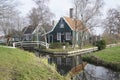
(28,33)
(67,30)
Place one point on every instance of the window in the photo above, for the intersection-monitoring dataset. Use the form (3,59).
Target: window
(68,36)
(59,60)
(58,36)
(62,25)
(27,37)
(68,61)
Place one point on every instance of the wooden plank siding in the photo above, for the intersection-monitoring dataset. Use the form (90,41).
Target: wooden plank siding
(63,32)
(68,27)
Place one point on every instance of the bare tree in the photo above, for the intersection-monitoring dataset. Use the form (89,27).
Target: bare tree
(112,26)
(6,12)
(19,23)
(41,14)
(34,17)
(86,11)
(9,18)
(114,19)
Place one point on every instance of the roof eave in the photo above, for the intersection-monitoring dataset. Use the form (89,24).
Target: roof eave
(68,24)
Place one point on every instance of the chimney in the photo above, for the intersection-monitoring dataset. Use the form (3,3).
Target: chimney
(71,13)
(53,23)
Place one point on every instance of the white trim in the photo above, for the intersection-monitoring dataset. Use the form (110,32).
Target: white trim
(59,36)
(52,29)
(25,30)
(68,23)
(68,34)
(56,25)
(27,36)
(46,32)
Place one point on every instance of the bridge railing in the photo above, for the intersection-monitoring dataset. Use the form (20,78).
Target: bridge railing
(30,43)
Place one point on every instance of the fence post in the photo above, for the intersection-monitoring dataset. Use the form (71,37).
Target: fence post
(47,46)
(14,45)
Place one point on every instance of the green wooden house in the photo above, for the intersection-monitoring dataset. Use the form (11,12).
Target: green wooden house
(67,30)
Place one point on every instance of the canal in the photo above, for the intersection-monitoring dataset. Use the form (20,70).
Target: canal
(80,70)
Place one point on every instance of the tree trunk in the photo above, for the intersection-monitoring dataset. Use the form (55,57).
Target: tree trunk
(82,37)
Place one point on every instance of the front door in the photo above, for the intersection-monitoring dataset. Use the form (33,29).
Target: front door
(62,38)
(50,38)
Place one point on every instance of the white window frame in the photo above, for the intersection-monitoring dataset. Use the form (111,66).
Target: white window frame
(27,37)
(68,36)
(58,36)
(59,60)
(61,25)
(77,36)
(68,60)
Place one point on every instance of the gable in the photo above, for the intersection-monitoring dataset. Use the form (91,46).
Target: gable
(29,29)
(62,26)
(74,24)
(70,24)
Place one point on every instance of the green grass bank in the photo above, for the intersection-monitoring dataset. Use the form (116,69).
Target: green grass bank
(109,58)
(16,64)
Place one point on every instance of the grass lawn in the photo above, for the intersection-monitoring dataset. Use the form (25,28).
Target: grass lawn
(109,57)
(16,64)
(109,54)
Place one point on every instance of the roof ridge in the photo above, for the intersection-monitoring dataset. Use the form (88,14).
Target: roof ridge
(71,23)
(68,22)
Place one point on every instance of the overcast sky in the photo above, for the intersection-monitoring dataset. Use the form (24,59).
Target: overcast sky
(61,8)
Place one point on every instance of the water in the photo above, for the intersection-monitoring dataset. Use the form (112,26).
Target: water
(64,65)
(92,72)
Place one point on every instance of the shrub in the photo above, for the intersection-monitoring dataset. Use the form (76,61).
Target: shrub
(101,44)
(2,43)
(55,45)
(65,44)
(58,45)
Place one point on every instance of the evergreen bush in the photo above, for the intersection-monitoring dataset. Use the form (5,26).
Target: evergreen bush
(55,45)
(101,44)
(58,45)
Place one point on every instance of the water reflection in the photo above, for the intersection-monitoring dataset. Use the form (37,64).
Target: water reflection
(101,73)
(65,64)
(91,72)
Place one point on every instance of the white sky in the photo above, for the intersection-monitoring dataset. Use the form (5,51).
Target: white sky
(61,8)
(25,6)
